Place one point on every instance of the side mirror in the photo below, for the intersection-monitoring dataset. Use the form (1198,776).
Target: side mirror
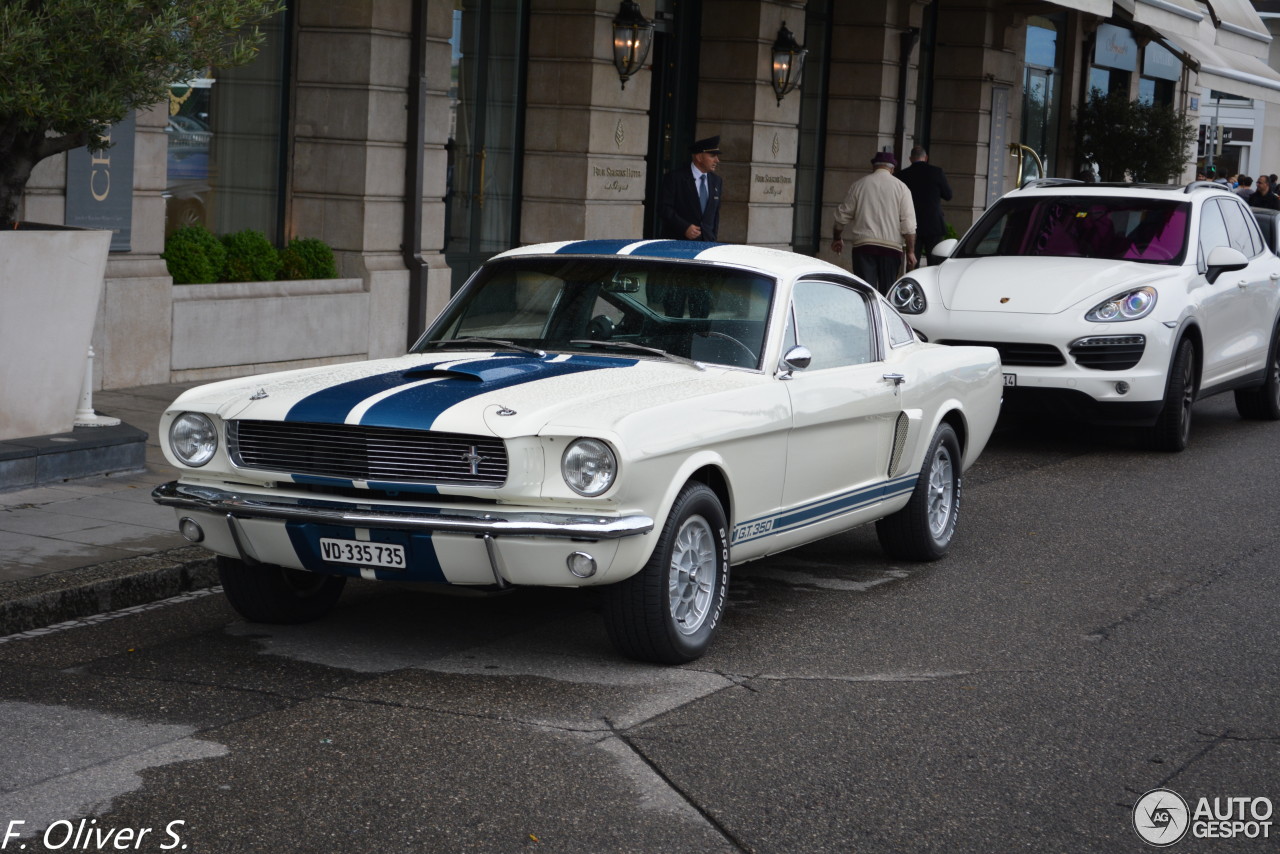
(796,359)
(1223,259)
(943,250)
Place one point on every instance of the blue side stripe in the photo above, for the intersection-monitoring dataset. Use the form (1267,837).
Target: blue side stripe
(828,508)
(418,407)
(594,247)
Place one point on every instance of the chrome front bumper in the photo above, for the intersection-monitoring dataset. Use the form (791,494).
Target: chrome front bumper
(492,523)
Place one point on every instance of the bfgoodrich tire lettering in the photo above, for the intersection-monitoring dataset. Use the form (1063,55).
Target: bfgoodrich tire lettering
(273,594)
(669,611)
(922,530)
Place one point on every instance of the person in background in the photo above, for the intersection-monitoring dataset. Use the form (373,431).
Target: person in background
(929,189)
(1264,196)
(689,198)
(879,212)
(1245,190)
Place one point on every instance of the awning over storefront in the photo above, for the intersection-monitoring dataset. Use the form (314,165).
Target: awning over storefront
(1093,7)
(1240,16)
(1230,71)
(1178,17)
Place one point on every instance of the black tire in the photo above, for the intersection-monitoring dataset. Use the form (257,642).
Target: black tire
(1172,430)
(646,615)
(273,594)
(922,530)
(1263,403)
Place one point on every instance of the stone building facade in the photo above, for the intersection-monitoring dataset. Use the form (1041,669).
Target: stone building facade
(419,137)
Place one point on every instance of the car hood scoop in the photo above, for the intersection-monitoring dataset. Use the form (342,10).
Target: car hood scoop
(1036,285)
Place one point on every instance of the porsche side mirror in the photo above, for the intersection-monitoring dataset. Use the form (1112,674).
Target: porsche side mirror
(1223,259)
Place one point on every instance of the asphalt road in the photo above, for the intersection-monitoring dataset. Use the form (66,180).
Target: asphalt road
(1105,625)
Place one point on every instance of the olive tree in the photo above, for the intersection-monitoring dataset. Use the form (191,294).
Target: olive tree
(69,69)
(1144,141)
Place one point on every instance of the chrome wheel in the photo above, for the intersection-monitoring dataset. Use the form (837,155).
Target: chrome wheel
(941,491)
(692,577)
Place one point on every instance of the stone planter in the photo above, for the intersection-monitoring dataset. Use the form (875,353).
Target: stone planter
(50,285)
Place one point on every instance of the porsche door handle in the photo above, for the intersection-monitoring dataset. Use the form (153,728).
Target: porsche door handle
(896,379)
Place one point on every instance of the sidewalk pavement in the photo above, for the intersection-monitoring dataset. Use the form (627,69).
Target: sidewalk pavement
(85,547)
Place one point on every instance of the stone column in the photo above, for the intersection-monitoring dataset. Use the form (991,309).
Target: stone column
(350,119)
(976,103)
(862,98)
(585,135)
(758,136)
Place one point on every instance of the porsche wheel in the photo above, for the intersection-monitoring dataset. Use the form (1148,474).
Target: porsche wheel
(669,611)
(1263,403)
(273,594)
(922,530)
(1172,430)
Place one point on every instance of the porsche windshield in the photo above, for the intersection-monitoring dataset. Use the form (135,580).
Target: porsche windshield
(1148,230)
(715,315)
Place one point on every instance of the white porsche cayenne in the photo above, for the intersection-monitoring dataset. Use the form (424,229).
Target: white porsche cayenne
(1112,303)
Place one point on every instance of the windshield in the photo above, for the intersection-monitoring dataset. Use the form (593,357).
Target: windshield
(1148,230)
(711,314)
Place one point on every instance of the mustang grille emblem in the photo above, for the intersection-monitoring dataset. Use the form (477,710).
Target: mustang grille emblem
(473,459)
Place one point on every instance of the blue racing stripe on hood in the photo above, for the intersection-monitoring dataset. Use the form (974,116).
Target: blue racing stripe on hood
(594,247)
(418,407)
(331,405)
(686,249)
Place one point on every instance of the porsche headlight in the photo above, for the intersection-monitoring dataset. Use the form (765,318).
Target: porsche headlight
(588,467)
(908,297)
(193,438)
(1130,305)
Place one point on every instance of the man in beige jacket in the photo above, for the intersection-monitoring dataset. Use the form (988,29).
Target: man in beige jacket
(881,219)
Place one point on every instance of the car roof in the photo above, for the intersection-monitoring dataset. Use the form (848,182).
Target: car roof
(1120,189)
(776,262)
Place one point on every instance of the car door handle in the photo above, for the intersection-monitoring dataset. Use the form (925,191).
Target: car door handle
(896,379)
(1242,284)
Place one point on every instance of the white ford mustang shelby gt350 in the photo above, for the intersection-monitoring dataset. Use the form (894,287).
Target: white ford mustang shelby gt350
(638,415)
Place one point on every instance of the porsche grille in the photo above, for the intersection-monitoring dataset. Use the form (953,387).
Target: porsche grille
(376,454)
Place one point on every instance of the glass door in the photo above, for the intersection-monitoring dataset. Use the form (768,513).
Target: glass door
(486,138)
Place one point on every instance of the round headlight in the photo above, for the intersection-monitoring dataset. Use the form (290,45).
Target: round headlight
(193,438)
(588,467)
(907,297)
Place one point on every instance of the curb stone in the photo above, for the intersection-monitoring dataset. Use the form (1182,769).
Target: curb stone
(34,603)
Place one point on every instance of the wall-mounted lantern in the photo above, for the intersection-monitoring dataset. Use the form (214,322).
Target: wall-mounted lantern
(632,38)
(788,62)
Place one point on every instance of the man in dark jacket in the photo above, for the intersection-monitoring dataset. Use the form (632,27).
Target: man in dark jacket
(929,188)
(1264,196)
(689,199)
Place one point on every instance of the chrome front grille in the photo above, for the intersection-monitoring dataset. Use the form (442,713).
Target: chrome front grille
(377,454)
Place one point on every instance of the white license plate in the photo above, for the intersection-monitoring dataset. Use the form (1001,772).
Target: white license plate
(1010,379)
(361,553)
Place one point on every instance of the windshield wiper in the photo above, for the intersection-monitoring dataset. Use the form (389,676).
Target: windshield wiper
(627,345)
(532,351)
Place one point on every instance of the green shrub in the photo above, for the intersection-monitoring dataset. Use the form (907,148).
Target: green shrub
(250,257)
(307,258)
(194,256)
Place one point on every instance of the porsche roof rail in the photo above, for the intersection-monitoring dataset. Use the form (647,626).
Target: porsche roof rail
(1051,182)
(1213,184)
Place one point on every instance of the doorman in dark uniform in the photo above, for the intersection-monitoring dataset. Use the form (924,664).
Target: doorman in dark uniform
(689,199)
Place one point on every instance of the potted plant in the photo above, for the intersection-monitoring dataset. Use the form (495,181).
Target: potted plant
(1134,140)
(69,69)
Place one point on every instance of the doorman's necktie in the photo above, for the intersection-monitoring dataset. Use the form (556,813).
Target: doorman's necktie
(702,191)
